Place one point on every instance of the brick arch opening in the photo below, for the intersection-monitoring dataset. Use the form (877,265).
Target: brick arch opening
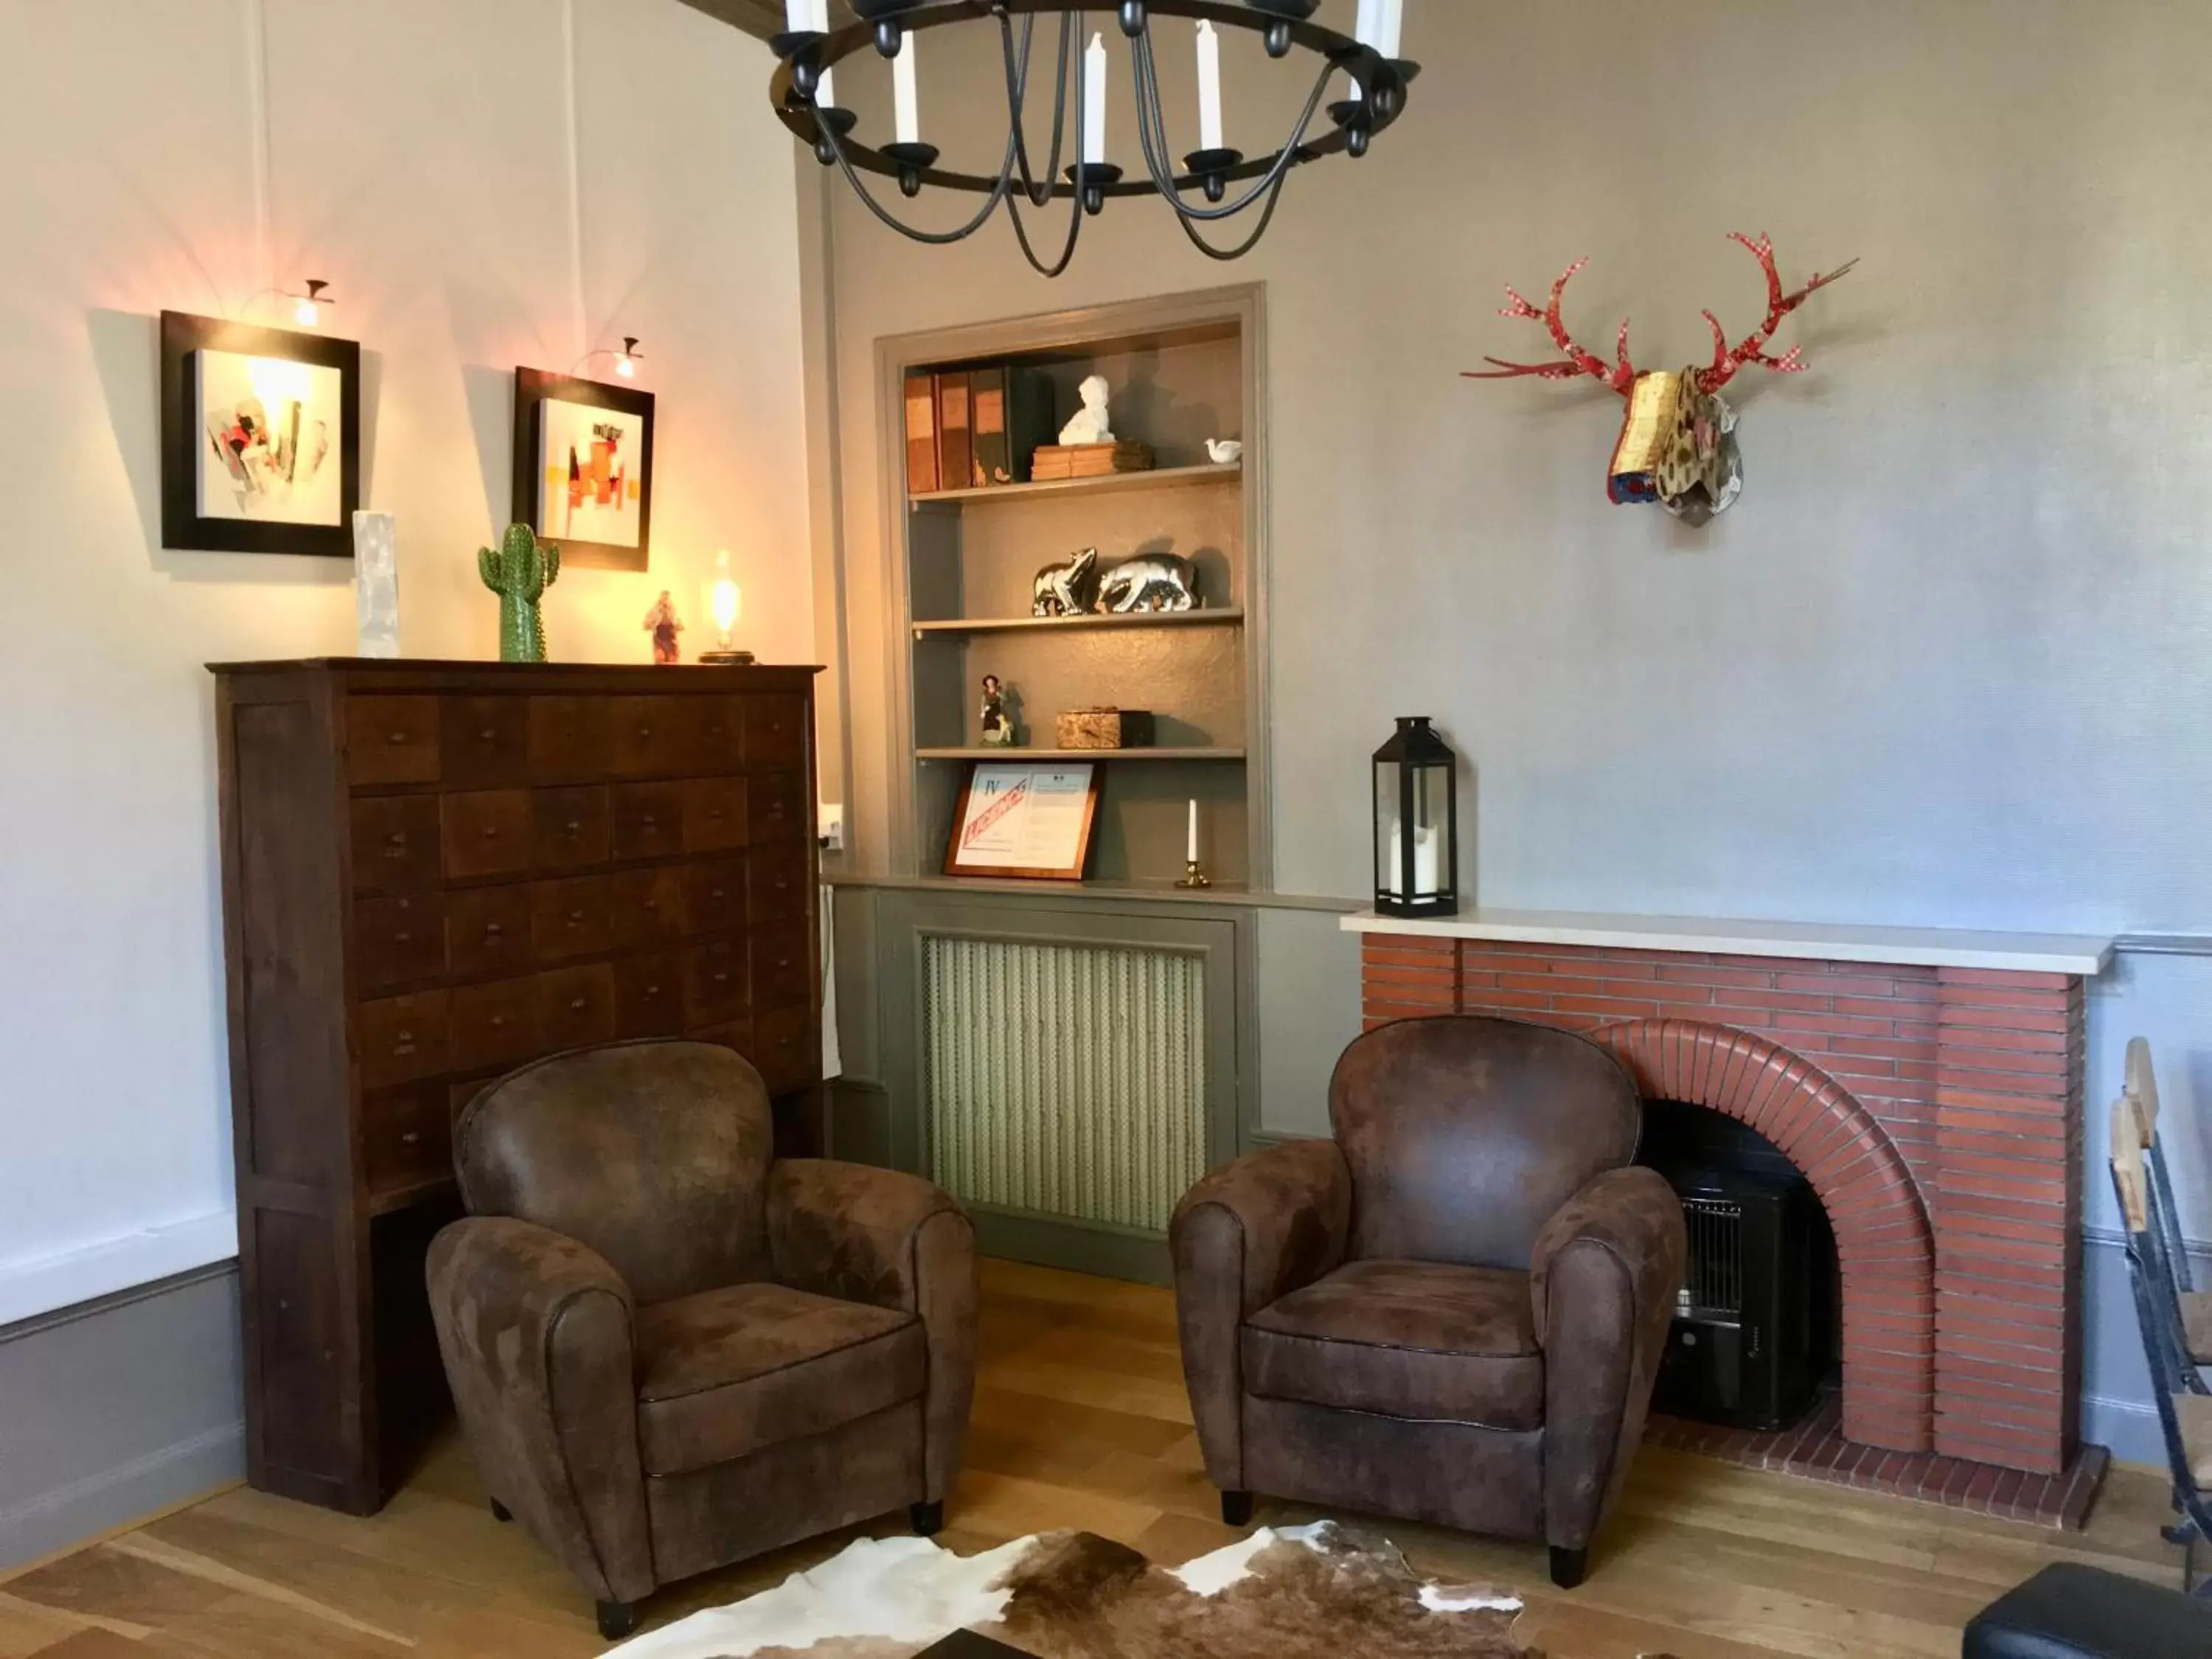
(1884,1244)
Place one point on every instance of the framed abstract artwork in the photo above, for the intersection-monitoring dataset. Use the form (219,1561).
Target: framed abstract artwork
(583,468)
(260,439)
(1031,821)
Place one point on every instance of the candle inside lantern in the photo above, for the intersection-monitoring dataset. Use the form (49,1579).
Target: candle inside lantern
(1190,852)
(903,112)
(1209,85)
(1094,101)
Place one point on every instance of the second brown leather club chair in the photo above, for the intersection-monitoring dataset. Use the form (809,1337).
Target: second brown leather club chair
(672,1351)
(1453,1310)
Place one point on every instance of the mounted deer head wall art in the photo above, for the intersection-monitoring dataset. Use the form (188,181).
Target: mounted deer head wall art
(1677,444)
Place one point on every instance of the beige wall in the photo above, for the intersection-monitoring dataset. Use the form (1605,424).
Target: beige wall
(418,156)
(1949,659)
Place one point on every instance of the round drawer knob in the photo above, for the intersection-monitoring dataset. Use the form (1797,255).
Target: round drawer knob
(410,1138)
(575,829)
(397,838)
(575,918)
(652,990)
(397,738)
(498,1022)
(722,978)
(493,930)
(578,1005)
(402,937)
(487,735)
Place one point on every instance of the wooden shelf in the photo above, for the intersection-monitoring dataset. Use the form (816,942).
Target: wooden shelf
(1165,753)
(1228,616)
(1162,477)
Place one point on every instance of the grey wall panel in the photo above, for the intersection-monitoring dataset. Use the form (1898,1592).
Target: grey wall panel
(116,1409)
(1308,985)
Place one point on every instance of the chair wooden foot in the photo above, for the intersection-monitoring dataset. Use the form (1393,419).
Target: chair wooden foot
(1568,1567)
(928,1518)
(1236,1509)
(500,1511)
(616,1619)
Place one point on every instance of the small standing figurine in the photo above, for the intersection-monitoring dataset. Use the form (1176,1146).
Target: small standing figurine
(1089,425)
(663,624)
(997,730)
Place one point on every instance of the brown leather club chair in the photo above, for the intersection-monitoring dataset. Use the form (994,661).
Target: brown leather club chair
(671,1352)
(1453,1311)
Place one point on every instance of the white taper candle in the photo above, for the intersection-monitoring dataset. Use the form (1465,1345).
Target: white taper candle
(1209,85)
(904,115)
(1191,852)
(798,15)
(825,90)
(1094,100)
(1390,27)
(1364,32)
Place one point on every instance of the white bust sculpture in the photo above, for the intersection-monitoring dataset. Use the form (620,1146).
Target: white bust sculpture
(1089,425)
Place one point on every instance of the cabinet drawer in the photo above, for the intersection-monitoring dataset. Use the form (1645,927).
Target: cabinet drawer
(569,829)
(567,739)
(715,815)
(775,729)
(571,918)
(648,906)
(649,820)
(649,737)
(488,931)
(783,1050)
(487,832)
(495,1025)
(775,886)
(397,940)
(484,742)
(718,732)
(407,1139)
(782,968)
(576,1006)
(714,895)
(777,812)
(715,981)
(648,996)
(395,843)
(392,739)
(402,1039)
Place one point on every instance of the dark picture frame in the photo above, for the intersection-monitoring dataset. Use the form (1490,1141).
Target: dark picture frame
(185,436)
(533,388)
(1073,853)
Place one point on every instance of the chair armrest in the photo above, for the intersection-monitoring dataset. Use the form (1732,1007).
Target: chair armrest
(1248,1235)
(535,1330)
(1604,1275)
(890,1240)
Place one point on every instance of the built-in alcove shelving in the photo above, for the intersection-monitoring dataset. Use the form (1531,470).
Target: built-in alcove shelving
(1181,371)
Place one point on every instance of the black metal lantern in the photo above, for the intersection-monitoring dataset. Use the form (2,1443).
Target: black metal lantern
(1416,823)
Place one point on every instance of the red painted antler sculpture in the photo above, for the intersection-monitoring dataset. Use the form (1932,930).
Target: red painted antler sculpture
(1677,445)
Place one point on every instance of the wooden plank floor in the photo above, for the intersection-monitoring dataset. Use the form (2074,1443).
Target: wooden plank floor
(1080,1421)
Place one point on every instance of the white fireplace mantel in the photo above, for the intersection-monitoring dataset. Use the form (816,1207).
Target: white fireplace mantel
(2081,954)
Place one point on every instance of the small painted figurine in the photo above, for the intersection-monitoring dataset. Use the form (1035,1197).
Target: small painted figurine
(998,729)
(663,624)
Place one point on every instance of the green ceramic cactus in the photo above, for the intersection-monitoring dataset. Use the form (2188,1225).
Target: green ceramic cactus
(519,571)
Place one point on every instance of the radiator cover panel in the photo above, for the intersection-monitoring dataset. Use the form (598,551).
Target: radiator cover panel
(1065,1080)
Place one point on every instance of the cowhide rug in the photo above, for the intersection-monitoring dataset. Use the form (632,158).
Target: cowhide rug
(1317,1592)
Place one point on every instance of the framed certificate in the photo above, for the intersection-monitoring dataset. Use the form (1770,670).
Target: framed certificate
(1032,821)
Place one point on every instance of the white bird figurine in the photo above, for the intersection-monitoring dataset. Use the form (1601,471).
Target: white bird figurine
(1225,451)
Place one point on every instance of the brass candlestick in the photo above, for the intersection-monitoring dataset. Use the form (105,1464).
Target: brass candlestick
(1193,876)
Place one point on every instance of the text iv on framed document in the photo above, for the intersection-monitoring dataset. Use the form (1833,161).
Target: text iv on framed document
(1022,820)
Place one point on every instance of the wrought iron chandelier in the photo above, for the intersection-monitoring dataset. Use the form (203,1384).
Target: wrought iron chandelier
(1214,184)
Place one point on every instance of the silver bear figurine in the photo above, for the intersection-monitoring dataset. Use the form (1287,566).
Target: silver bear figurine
(1059,591)
(1151,581)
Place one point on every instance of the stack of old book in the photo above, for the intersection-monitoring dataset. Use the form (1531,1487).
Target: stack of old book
(974,428)
(1089,460)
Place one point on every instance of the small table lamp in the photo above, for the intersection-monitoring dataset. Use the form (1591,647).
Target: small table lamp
(723,601)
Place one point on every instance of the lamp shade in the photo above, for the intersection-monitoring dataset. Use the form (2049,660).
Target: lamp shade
(1416,823)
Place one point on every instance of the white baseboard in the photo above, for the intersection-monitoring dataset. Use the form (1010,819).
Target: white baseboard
(41,1284)
(115,1497)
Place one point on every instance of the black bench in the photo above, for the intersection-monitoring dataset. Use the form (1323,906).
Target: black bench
(2071,1612)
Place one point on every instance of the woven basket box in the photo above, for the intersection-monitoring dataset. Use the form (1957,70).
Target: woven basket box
(1104,728)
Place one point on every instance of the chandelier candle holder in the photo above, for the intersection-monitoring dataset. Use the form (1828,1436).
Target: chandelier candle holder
(1202,193)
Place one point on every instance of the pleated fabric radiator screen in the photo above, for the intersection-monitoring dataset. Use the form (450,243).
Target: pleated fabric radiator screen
(1065,1079)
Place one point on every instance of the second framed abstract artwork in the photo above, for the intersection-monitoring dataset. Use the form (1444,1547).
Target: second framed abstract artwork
(583,468)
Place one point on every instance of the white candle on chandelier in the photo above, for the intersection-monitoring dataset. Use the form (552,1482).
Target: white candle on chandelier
(1209,85)
(1190,853)
(1364,32)
(799,16)
(904,115)
(825,90)
(1094,101)
(1390,27)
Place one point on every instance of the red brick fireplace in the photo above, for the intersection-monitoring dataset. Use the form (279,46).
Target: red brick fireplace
(1934,1105)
